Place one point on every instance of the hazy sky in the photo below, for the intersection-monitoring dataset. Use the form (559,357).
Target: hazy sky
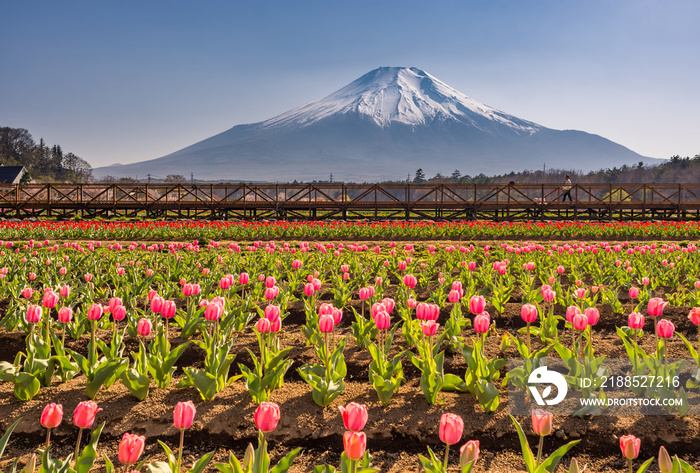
(130,80)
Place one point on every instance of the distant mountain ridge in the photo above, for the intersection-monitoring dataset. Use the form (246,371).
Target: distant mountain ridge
(383,126)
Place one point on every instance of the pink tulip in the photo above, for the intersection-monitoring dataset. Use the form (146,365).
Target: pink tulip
(50,299)
(119,312)
(270,282)
(665,328)
(364,294)
(389,304)
(549,295)
(580,322)
(645,281)
(571,311)
(410,281)
(411,303)
(243,278)
(482,322)
(267,415)
(144,327)
(382,321)
(64,291)
(325,309)
(272,312)
(592,315)
(168,310)
(354,416)
(52,415)
(656,306)
(183,415)
(157,304)
(263,325)
(528,313)
(271,292)
(34,314)
(114,302)
(88,277)
(354,444)
(27,292)
(84,414)
(634,292)
(130,448)
(469,453)
(629,444)
(451,428)
(477,304)
(326,323)
(580,293)
(213,311)
(542,422)
(694,315)
(635,320)
(429,328)
(65,314)
(224,284)
(454,296)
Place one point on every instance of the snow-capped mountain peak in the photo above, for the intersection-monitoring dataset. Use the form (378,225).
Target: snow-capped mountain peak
(403,95)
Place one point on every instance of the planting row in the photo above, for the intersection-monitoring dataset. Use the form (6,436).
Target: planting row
(380,230)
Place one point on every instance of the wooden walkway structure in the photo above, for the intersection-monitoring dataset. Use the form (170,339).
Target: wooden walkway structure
(351,201)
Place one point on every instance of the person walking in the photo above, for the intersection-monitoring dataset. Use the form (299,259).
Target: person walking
(567,189)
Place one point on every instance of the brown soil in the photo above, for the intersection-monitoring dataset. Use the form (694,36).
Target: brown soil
(397,434)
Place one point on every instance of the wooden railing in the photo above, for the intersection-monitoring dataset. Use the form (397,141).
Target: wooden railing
(351,201)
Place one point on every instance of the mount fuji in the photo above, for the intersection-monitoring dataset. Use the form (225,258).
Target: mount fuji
(383,126)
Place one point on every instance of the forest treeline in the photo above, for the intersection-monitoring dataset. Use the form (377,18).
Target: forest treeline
(44,163)
(51,164)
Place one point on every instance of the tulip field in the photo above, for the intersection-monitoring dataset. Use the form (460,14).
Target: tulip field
(353,347)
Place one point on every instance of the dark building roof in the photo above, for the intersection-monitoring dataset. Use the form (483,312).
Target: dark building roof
(11,174)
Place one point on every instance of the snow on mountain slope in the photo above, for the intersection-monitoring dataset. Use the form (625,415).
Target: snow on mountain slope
(383,126)
(398,95)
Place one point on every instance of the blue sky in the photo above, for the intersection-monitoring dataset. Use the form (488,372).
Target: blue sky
(130,80)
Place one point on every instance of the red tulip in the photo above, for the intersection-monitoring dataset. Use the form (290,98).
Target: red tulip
(131,447)
(84,414)
(354,416)
(451,428)
(354,444)
(629,444)
(267,415)
(542,422)
(52,415)
(183,415)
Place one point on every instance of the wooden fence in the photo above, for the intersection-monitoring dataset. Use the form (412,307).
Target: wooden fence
(352,201)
